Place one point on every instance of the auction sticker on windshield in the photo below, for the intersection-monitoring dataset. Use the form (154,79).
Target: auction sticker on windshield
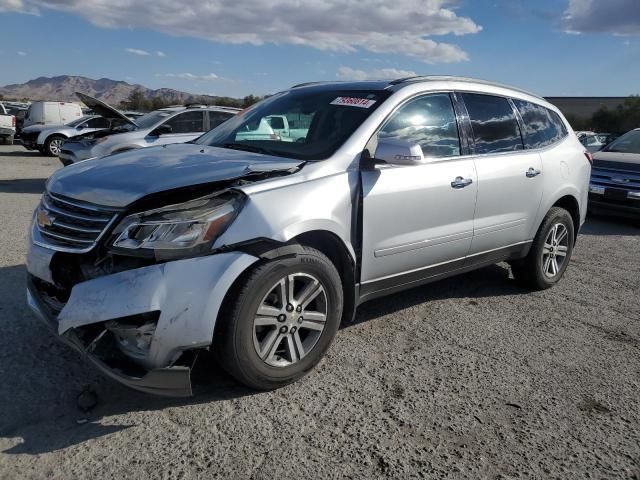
(353,102)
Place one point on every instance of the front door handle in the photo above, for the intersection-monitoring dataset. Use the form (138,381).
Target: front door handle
(460,182)
(532,172)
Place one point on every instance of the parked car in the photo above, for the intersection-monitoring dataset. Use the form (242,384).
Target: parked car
(582,133)
(258,249)
(52,113)
(19,112)
(593,141)
(161,127)
(48,140)
(273,127)
(607,138)
(7,126)
(615,178)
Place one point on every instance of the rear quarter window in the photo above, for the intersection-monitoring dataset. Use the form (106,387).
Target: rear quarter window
(542,127)
(494,124)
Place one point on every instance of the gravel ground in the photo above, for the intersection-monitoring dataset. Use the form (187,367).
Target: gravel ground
(471,377)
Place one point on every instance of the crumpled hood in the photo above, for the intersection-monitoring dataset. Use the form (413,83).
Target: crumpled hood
(123,178)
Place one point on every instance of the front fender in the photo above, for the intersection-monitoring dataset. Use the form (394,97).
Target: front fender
(280,214)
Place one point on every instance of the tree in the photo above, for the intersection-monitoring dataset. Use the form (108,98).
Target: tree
(138,101)
(250,100)
(621,119)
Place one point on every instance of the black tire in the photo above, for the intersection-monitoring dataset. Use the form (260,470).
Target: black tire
(49,144)
(234,337)
(530,271)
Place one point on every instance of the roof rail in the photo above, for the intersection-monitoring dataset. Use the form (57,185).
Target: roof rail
(306,84)
(426,78)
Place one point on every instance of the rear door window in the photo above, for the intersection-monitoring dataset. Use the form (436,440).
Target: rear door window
(542,127)
(216,118)
(494,124)
(187,122)
(429,121)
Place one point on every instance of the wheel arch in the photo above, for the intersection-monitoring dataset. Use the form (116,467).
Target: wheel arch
(570,204)
(334,248)
(57,134)
(324,241)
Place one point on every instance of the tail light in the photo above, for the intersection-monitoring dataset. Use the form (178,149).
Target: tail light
(13,121)
(589,157)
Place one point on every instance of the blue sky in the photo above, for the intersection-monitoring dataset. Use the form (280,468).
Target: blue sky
(221,47)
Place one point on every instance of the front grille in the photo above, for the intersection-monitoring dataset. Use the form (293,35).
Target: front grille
(620,175)
(70,225)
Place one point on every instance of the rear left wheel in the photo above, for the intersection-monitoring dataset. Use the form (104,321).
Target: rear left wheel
(550,252)
(281,320)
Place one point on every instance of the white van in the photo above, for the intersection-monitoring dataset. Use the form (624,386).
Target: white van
(52,113)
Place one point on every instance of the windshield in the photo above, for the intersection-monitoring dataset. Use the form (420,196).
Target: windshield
(300,124)
(145,121)
(627,143)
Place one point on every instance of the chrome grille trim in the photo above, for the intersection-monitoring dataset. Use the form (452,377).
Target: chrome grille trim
(604,177)
(87,218)
(75,226)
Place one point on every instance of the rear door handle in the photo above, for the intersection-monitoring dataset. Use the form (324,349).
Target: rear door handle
(460,182)
(532,172)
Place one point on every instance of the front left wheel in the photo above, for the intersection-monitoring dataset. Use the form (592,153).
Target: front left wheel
(280,320)
(53,145)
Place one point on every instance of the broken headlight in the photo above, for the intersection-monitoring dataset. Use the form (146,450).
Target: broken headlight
(177,230)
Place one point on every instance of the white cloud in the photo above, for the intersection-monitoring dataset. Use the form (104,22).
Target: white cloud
(21,53)
(137,51)
(402,27)
(160,53)
(20,6)
(190,76)
(347,73)
(621,17)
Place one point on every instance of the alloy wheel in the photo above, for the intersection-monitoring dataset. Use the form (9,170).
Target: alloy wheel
(55,146)
(555,249)
(290,320)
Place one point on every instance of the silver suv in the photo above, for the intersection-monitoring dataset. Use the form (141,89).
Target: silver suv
(161,127)
(257,248)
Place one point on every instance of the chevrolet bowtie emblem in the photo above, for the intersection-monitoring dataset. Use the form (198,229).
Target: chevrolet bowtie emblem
(45,219)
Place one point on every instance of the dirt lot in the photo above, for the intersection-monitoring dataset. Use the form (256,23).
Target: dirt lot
(471,377)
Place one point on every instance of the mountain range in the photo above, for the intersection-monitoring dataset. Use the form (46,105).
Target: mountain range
(62,88)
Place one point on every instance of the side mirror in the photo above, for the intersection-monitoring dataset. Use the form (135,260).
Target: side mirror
(399,152)
(161,130)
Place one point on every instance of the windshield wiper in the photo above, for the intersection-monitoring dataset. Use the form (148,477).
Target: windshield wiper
(247,148)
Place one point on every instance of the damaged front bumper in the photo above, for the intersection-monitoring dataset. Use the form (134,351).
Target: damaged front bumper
(183,297)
